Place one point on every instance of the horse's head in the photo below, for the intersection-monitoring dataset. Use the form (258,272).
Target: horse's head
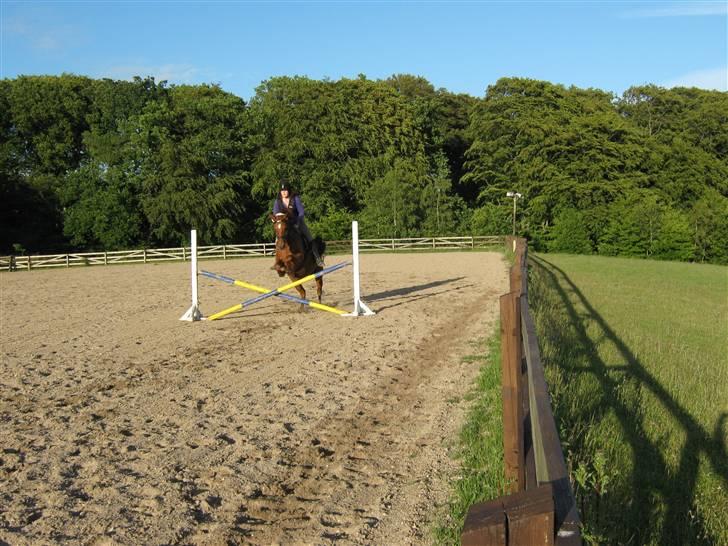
(280,227)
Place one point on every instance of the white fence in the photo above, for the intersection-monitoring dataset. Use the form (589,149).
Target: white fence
(223,252)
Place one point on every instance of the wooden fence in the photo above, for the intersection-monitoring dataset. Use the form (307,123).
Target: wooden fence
(541,507)
(217,252)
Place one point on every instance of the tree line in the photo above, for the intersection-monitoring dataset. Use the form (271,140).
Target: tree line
(100,164)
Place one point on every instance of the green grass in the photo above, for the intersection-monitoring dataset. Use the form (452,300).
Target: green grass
(480,445)
(636,353)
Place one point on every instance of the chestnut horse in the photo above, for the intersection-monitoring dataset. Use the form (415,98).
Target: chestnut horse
(292,258)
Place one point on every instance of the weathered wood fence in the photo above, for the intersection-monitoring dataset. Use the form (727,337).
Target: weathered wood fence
(540,508)
(224,252)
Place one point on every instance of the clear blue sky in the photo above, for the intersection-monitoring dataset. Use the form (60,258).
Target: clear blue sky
(461,46)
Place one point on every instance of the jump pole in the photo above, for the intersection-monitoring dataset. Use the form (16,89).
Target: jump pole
(193,313)
(360,308)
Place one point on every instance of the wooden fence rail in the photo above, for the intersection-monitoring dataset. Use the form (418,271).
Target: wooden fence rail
(224,252)
(541,507)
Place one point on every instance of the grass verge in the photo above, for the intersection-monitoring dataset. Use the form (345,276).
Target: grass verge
(480,445)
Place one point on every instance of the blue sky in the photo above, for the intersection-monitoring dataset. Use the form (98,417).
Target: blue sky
(460,46)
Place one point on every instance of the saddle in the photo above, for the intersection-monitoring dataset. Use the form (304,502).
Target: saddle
(307,245)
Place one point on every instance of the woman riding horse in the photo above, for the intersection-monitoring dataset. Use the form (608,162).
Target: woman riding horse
(291,256)
(290,203)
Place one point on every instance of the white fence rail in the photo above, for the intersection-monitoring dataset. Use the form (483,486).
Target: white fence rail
(224,252)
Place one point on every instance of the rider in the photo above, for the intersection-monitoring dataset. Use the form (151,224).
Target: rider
(289,201)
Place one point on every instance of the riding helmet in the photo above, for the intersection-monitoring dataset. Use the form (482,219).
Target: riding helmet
(284,185)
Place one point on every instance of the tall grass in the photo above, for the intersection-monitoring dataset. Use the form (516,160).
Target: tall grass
(636,354)
(480,445)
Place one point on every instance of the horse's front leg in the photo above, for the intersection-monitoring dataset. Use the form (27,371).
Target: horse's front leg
(301,292)
(319,287)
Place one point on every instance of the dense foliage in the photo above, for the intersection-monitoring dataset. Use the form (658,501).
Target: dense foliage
(104,164)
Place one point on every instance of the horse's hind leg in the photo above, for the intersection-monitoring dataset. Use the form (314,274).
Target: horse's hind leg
(319,287)
(301,292)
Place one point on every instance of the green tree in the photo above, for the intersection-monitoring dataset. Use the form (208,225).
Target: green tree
(491,219)
(337,142)
(709,227)
(43,120)
(442,119)
(561,148)
(634,226)
(569,234)
(49,118)
(191,159)
(103,208)
(685,134)
(674,238)
(392,203)
(113,104)
(102,197)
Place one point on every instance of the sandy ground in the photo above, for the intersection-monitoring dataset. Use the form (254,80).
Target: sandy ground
(119,424)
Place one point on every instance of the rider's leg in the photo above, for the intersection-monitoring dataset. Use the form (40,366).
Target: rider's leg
(303,228)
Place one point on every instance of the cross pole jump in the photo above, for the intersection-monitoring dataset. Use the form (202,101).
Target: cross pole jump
(277,292)
(360,308)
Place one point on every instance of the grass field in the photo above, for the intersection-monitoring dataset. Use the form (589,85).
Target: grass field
(636,354)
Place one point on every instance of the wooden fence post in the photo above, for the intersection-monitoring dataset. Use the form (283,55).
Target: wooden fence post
(485,525)
(511,389)
(515,278)
(526,517)
(530,516)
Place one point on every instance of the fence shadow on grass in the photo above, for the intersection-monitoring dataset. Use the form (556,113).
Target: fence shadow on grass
(653,482)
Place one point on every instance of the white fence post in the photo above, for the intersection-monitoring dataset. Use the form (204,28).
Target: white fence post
(193,313)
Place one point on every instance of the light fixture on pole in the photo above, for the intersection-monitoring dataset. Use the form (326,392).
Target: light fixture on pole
(515,196)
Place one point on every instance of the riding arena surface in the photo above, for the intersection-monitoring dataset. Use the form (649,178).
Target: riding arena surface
(122,425)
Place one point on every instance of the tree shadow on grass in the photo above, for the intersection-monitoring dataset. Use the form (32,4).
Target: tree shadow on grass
(658,505)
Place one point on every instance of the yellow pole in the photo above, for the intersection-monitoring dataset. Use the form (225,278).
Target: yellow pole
(296,283)
(262,290)
(227,311)
(252,287)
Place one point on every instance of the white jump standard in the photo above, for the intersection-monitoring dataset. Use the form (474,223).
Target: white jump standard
(360,308)
(193,313)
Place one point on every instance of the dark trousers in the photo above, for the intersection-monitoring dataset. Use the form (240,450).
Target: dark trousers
(303,230)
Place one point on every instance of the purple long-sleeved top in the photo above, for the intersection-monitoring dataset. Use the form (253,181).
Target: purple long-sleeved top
(295,206)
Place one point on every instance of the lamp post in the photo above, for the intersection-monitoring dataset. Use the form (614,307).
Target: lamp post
(515,196)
